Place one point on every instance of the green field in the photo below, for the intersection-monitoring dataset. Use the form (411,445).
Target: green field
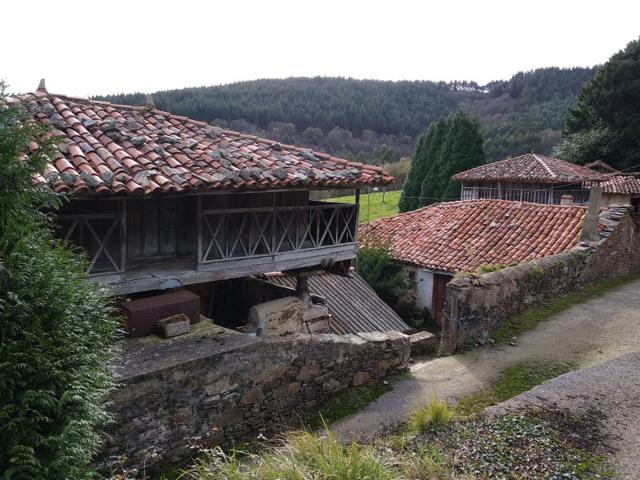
(372,206)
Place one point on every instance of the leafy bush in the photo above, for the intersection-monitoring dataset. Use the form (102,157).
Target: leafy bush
(435,414)
(381,272)
(56,328)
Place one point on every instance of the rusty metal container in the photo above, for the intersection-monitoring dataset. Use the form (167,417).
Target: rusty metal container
(141,315)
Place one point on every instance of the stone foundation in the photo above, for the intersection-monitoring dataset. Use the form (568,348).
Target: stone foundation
(205,389)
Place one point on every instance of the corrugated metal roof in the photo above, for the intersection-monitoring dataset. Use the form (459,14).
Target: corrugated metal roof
(352,303)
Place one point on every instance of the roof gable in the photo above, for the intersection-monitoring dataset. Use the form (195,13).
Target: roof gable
(529,168)
(118,149)
(461,236)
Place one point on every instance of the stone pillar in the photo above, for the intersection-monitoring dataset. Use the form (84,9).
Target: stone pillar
(590,225)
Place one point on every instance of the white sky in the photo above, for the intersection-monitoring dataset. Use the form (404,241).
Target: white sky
(109,46)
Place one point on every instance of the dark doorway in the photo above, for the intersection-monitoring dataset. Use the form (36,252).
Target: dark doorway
(439,293)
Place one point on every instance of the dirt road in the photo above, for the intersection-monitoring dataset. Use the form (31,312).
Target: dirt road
(584,335)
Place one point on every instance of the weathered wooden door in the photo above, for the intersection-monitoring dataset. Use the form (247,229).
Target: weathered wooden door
(439,294)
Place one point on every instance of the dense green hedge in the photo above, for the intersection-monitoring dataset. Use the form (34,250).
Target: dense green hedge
(56,329)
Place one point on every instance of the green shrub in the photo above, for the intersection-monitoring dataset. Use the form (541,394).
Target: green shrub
(433,415)
(56,328)
(381,272)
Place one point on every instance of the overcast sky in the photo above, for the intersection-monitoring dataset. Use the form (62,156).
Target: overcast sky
(98,47)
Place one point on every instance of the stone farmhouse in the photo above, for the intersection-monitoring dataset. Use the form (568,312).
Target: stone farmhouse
(619,188)
(436,242)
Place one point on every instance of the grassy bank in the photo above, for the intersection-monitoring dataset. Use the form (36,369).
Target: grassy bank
(533,316)
(374,205)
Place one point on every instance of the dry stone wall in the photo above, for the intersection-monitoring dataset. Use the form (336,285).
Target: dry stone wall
(234,395)
(475,304)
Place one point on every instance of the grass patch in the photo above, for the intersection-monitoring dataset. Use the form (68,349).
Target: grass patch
(304,456)
(533,316)
(512,381)
(477,447)
(433,415)
(372,205)
(344,404)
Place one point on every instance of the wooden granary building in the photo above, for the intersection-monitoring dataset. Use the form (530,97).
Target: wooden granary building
(160,201)
(528,178)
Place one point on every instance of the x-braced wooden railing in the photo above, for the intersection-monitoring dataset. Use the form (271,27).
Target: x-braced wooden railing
(251,232)
(101,237)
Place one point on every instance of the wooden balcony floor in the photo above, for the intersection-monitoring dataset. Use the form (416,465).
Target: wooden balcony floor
(172,273)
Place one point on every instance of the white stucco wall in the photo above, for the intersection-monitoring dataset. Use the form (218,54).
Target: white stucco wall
(424,290)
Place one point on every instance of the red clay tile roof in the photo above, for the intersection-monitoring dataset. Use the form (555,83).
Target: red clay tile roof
(624,184)
(529,168)
(600,166)
(117,149)
(461,236)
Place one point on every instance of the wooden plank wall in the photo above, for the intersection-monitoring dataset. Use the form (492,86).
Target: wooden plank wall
(161,228)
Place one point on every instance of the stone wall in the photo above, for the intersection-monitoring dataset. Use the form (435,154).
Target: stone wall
(475,304)
(233,395)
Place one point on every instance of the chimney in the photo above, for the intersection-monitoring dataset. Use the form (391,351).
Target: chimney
(41,86)
(149,102)
(590,225)
(566,199)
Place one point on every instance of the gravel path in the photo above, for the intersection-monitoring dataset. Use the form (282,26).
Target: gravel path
(585,335)
(613,389)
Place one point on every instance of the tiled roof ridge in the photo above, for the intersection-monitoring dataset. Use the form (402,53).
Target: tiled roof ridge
(544,164)
(457,203)
(199,123)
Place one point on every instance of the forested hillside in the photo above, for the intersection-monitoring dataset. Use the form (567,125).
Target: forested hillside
(379,121)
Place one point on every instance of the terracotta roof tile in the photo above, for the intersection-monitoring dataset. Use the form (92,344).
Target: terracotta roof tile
(624,184)
(118,143)
(460,236)
(529,168)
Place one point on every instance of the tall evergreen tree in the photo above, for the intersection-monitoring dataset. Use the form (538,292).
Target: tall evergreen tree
(605,123)
(430,189)
(462,149)
(411,189)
